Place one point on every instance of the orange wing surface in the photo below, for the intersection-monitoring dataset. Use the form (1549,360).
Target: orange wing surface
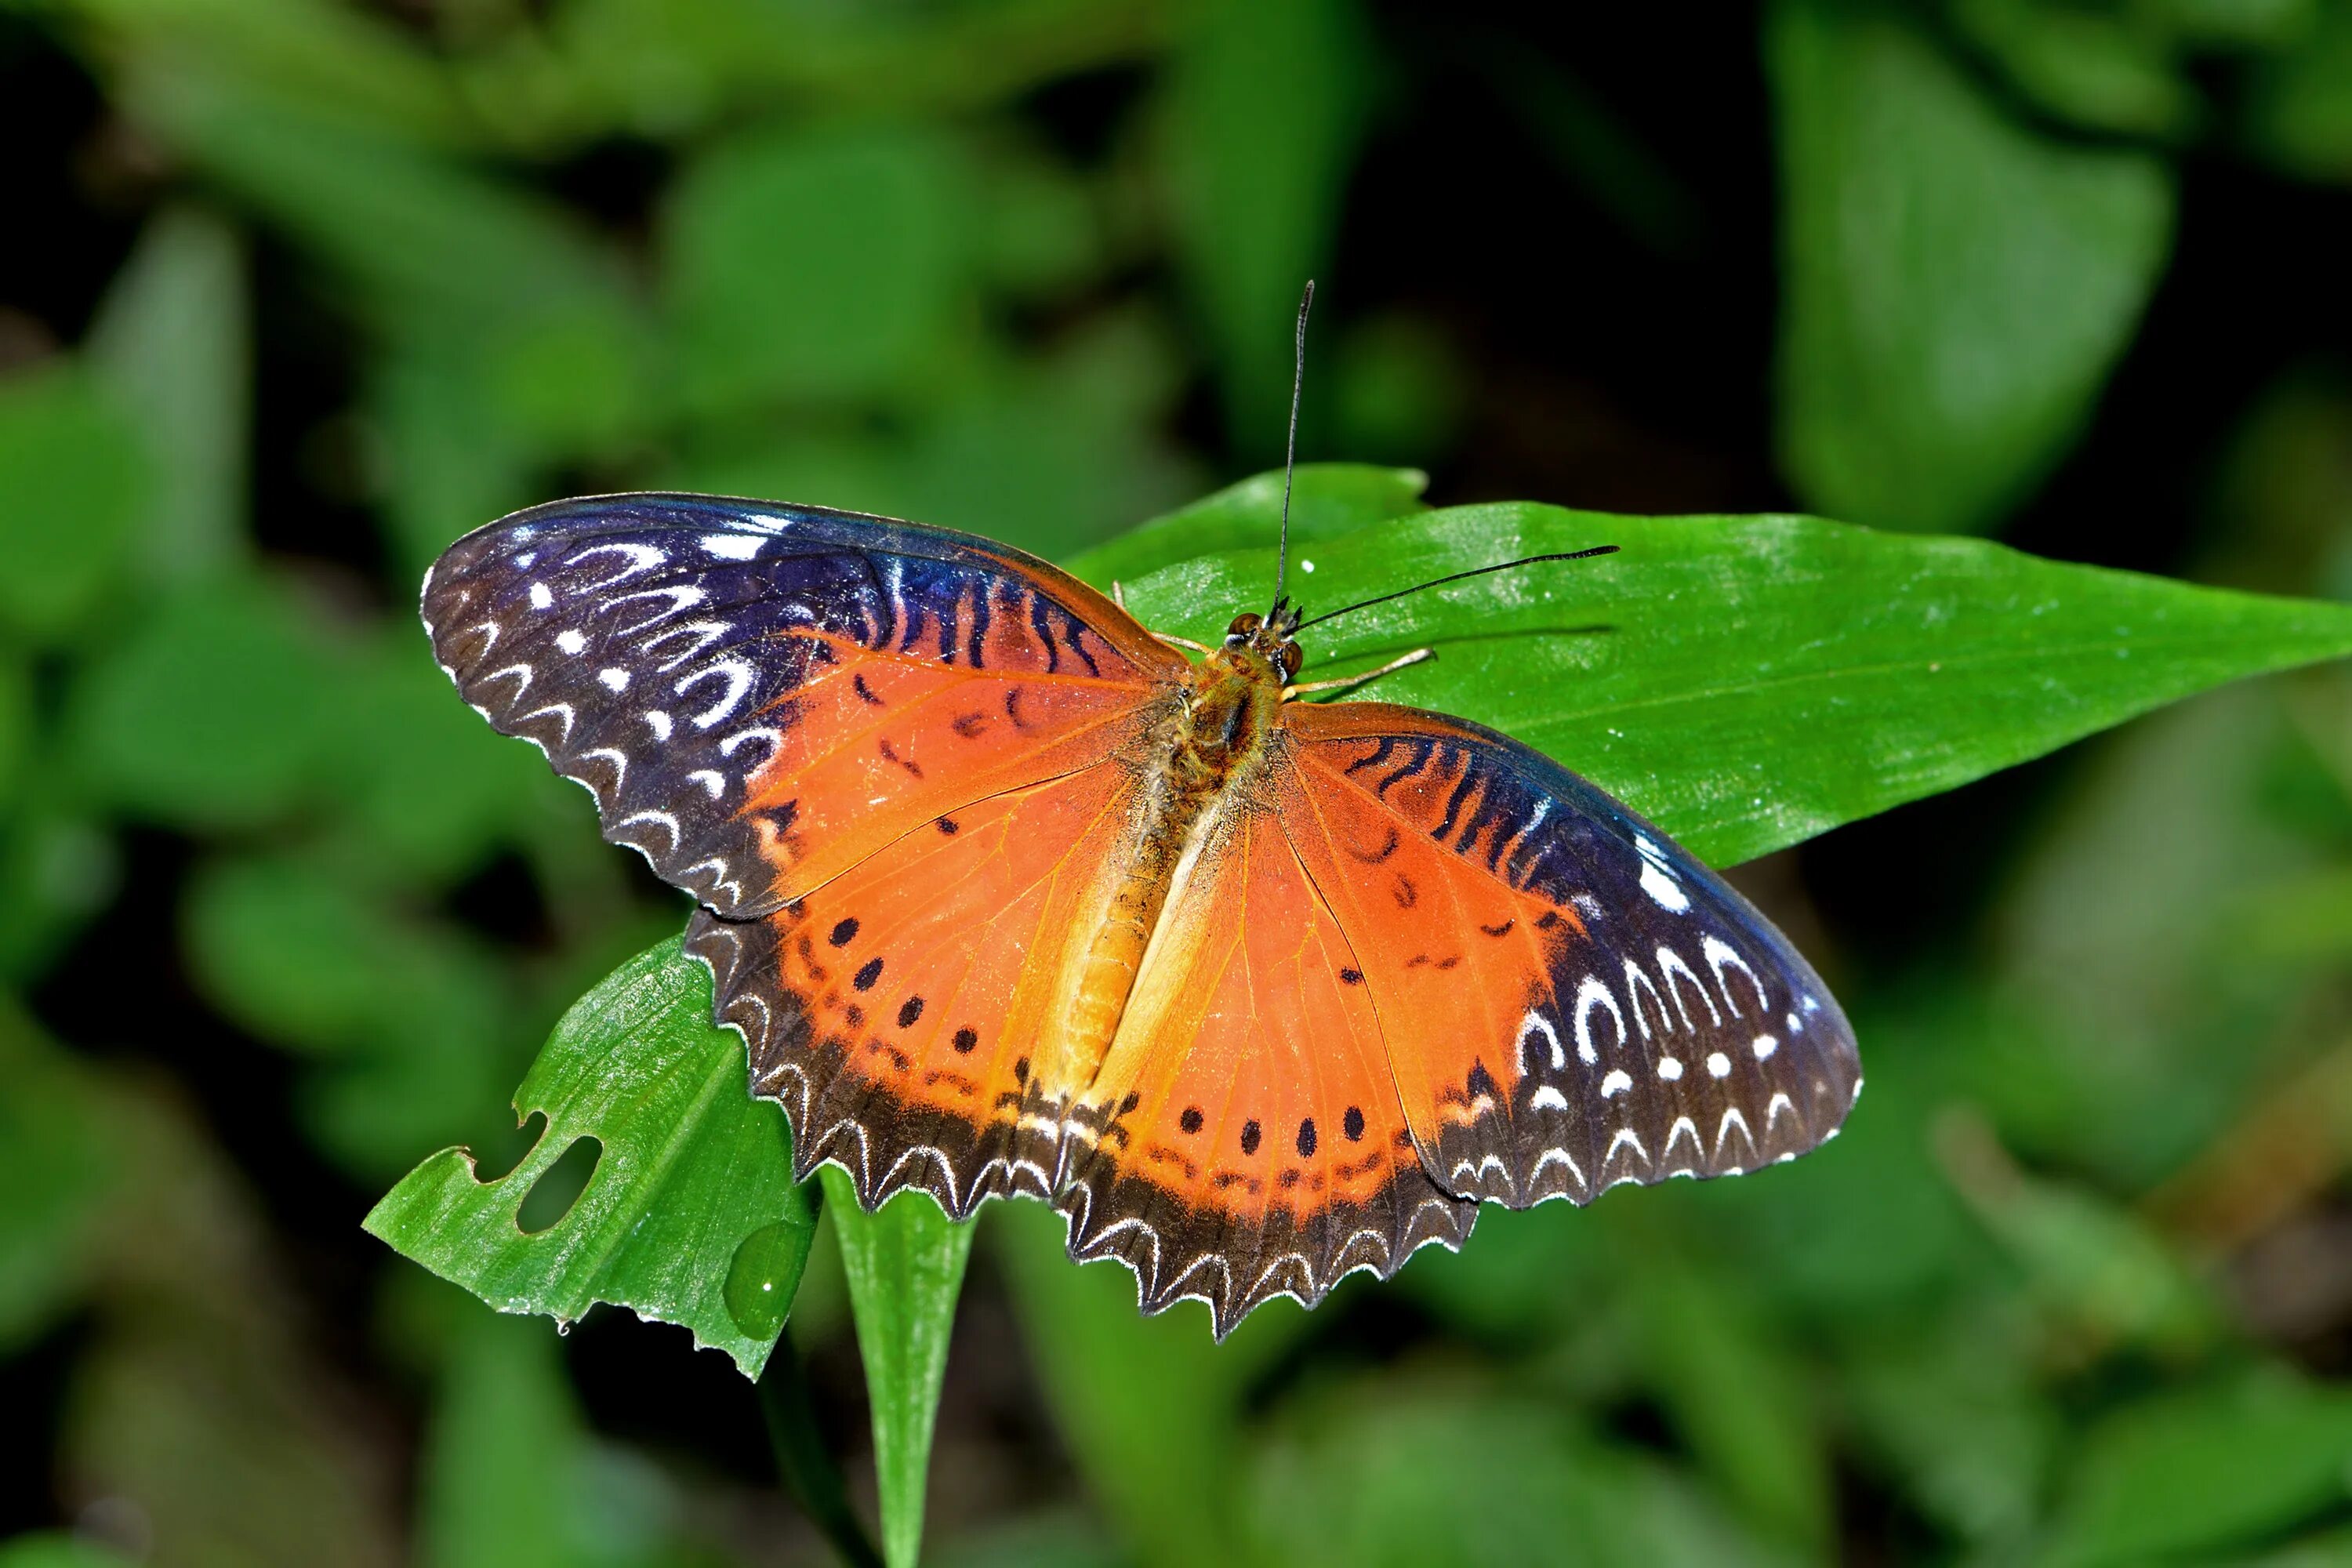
(1245,1137)
(759,697)
(1567,999)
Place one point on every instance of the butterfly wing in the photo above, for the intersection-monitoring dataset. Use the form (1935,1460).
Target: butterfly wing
(1568,1000)
(761,696)
(905,1012)
(1245,1136)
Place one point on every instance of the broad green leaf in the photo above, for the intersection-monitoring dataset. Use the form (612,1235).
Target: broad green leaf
(1267,103)
(215,709)
(1327,499)
(2203,1470)
(814,265)
(691,1216)
(1749,682)
(906,1265)
(170,339)
(1956,284)
(77,475)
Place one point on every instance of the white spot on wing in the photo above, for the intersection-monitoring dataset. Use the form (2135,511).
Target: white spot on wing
(1765,1045)
(1534,1023)
(1547,1098)
(1591,994)
(659,722)
(1615,1084)
(614,680)
(1719,1065)
(1670,1068)
(738,676)
(569,641)
(732,546)
(1658,877)
(542,597)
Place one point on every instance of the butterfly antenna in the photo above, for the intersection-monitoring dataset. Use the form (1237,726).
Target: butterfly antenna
(1290,450)
(1457,576)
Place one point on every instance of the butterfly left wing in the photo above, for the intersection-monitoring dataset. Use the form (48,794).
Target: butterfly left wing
(1567,999)
(761,696)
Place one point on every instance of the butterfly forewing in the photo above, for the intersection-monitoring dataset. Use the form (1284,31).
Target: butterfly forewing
(759,697)
(1569,1000)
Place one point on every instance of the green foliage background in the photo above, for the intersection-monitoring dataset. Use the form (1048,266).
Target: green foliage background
(300,291)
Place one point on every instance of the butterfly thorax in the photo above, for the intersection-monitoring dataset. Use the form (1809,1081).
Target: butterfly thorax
(1199,764)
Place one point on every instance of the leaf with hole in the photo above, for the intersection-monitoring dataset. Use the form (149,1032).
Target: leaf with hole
(691,1216)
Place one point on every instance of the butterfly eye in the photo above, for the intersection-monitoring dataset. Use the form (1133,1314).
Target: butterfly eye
(1293,655)
(1244,625)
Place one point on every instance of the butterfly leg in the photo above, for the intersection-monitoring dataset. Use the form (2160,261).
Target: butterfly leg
(1415,657)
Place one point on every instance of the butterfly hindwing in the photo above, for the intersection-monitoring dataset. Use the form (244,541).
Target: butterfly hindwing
(1567,999)
(905,1012)
(759,697)
(1245,1137)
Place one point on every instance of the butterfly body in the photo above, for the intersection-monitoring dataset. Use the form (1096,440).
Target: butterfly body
(1007,895)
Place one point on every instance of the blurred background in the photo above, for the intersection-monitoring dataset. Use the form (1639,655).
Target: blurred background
(296,291)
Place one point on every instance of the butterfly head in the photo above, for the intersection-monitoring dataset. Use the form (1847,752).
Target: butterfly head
(1268,638)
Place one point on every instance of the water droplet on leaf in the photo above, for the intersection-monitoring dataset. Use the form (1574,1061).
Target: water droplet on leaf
(764,1276)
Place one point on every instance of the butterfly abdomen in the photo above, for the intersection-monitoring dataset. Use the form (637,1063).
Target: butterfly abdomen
(1195,761)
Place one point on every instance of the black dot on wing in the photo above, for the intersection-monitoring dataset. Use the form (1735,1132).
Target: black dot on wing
(1306,1138)
(1351,977)
(867,973)
(1020,1070)
(951,827)
(844,933)
(1190,1120)
(908,1011)
(1127,1107)
(1250,1135)
(965,1039)
(1352,1124)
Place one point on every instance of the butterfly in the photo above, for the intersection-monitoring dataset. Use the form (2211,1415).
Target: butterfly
(1007,895)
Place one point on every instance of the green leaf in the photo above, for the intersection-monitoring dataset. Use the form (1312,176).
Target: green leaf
(1749,682)
(1266,108)
(691,1216)
(171,340)
(215,710)
(1327,499)
(905,1264)
(814,265)
(76,477)
(2203,1470)
(1957,285)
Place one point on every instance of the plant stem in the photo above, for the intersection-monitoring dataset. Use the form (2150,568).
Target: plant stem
(802,1460)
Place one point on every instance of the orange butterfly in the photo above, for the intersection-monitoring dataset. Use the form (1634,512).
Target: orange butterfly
(1007,895)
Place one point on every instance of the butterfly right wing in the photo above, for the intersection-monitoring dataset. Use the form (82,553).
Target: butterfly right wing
(759,697)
